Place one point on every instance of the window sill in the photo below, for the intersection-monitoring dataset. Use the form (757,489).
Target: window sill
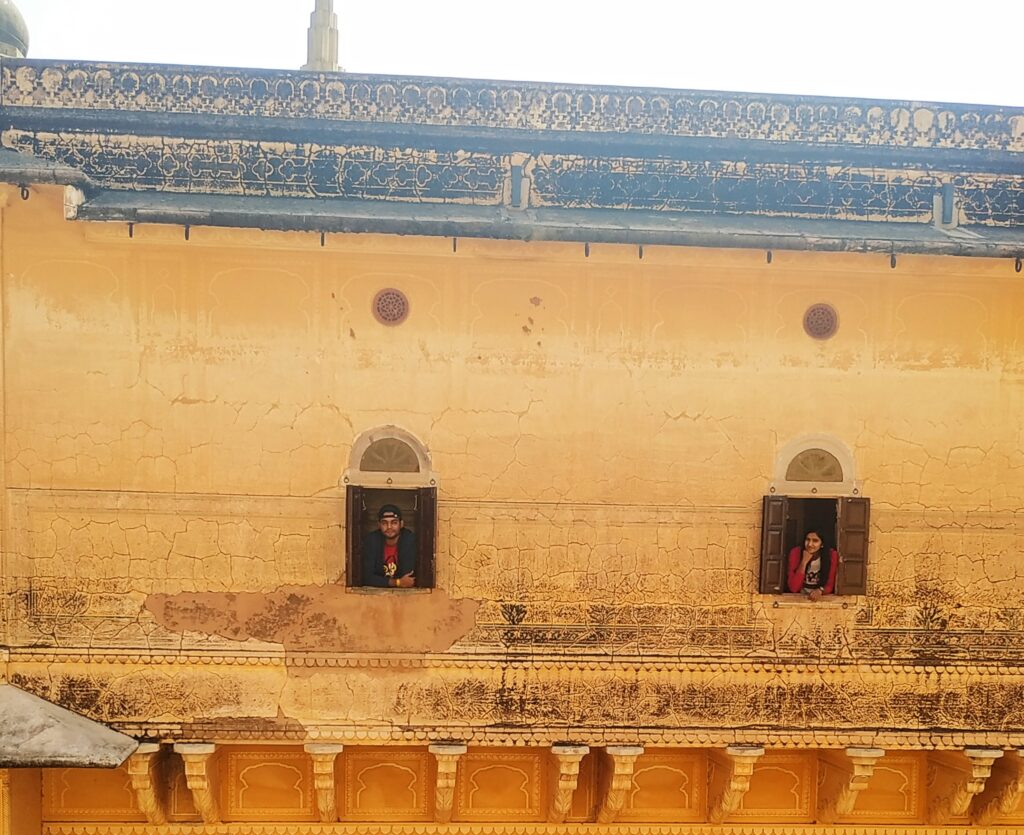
(376,590)
(799,601)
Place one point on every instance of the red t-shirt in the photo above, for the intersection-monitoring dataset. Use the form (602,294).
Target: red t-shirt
(390,558)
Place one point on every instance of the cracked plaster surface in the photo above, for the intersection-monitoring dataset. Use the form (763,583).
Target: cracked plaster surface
(603,428)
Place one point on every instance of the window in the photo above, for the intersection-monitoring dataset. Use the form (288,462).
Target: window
(419,510)
(815,489)
(390,466)
(785,519)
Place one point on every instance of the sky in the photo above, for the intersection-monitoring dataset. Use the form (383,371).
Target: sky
(918,50)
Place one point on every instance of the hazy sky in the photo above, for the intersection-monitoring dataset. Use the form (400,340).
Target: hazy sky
(925,50)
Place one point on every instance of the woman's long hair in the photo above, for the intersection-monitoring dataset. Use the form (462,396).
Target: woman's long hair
(824,554)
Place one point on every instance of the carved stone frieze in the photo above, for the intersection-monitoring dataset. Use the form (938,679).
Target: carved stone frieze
(442,102)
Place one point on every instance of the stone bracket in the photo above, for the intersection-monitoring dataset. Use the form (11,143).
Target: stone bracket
(1003,790)
(145,767)
(447,756)
(325,784)
(956,779)
(198,776)
(623,760)
(731,779)
(845,778)
(565,779)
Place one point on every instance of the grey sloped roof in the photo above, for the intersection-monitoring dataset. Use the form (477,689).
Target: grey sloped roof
(35,733)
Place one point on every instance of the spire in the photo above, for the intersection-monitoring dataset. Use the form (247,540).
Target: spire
(322,53)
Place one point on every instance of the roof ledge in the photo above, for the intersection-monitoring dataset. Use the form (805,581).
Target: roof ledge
(35,733)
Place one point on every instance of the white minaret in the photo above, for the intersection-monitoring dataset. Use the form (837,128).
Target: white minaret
(322,52)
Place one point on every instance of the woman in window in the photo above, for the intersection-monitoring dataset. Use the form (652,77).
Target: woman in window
(812,569)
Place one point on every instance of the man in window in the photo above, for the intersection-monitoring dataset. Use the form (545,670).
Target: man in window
(389,553)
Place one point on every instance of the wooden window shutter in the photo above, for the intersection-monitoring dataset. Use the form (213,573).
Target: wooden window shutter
(354,498)
(773,536)
(426,527)
(854,515)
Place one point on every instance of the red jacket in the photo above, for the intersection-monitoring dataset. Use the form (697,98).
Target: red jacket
(795,577)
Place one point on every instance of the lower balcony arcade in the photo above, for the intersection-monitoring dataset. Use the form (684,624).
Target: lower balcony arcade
(321,787)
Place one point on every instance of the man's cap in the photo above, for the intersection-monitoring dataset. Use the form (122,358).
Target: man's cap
(389,510)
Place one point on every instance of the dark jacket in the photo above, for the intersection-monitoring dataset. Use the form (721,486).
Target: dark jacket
(373,557)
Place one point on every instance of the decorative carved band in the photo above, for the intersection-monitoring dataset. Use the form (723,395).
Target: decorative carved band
(461,103)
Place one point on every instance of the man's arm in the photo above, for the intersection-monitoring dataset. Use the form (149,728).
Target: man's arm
(407,558)
(373,563)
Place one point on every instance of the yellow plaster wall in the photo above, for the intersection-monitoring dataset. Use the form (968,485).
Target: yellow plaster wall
(178,414)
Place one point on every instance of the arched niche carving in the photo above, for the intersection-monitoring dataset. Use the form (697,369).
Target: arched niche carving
(389,456)
(815,465)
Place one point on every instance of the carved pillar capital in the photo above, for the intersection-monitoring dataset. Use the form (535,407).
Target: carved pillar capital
(623,761)
(447,756)
(733,771)
(845,778)
(145,771)
(568,758)
(198,777)
(324,782)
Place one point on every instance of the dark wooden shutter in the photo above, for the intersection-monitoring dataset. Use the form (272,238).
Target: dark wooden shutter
(854,516)
(354,497)
(426,527)
(773,544)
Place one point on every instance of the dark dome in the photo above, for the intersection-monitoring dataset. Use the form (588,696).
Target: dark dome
(13,31)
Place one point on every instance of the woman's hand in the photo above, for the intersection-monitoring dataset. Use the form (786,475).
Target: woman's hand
(814,595)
